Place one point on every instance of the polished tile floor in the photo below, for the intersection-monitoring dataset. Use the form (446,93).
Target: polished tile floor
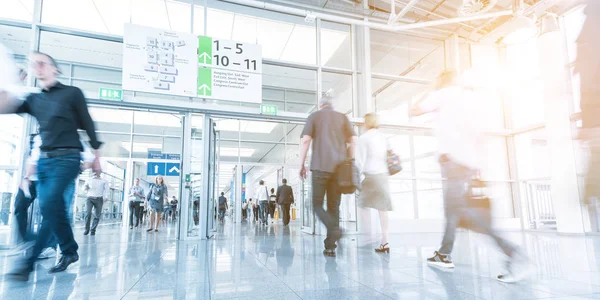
(246,262)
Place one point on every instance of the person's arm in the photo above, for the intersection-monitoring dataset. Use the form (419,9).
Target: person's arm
(304,146)
(86,123)
(362,153)
(350,137)
(9,76)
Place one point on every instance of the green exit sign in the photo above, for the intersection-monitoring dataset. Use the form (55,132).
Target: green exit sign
(268,109)
(110,94)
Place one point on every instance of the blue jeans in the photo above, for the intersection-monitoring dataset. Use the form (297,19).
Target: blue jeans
(264,211)
(324,183)
(55,175)
(22,204)
(457,191)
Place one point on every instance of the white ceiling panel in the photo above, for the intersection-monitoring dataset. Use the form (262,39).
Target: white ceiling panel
(17,9)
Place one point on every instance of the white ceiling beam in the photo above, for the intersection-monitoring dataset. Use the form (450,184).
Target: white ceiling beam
(403,12)
(373,25)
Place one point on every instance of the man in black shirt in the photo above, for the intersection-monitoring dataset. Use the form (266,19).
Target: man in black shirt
(60,111)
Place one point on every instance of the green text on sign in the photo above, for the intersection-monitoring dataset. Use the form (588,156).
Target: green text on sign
(204,82)
(188,178)
(205,45)
(110,94)
(268,109)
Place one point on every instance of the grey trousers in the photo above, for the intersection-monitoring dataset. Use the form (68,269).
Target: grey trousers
(95,203)
(457,190)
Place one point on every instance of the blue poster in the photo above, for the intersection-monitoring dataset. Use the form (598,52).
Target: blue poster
(243,186)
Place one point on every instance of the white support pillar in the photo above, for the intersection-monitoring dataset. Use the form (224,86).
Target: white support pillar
(451,50)
(557,98)
(185,196)
(238,194)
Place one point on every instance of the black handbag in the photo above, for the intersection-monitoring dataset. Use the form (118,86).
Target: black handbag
(348,177)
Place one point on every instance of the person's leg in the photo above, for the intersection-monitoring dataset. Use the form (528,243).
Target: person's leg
(455,196)
(384,220)
(98,203)
(137,209)
(285,214)
(55,175)
(319,188)
(151,220)
(21,209)
(158,215)
(131,212)
(334,197)
(88,214)
(263,211)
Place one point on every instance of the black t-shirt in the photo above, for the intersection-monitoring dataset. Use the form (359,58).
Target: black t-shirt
(61,111)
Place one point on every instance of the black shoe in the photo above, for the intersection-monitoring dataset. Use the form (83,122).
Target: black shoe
(329,252)
(93,233)
(21,274)
(63,263)
(441,260)
(86,232)
(130,227)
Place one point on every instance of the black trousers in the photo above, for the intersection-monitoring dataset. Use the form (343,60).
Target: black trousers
(255,212)
(286,213)
(22,204)
(135,209)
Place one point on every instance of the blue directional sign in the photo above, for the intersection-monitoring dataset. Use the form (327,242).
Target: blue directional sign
(157,168)
(173,169)
(155,154)
(172,156)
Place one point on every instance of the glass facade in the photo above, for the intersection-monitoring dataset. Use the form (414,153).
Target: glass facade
(300,61)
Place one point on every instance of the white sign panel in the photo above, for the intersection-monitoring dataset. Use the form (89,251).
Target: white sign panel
(159,61)
(229,70)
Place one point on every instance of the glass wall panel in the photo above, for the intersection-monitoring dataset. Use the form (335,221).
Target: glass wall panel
(430,197)
(336,45)
(17,39)
(115,145)
(10,139)
(525,87)
(339,86)
(392,99)
(397,54)
(112,120)
(533,154)
(143,144)
(297,88)
(70,48)
(157,123)
(17,9)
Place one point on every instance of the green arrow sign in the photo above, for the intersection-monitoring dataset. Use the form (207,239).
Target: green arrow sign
(204,82)
(268,109)
(205,50)
(110,94)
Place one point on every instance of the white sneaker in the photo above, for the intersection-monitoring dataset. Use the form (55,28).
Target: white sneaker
(519,268)
(47,253)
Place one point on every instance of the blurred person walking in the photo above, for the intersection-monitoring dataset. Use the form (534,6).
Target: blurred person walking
(262,197)
(458,133)
(156,199)
(588,67)
(136,198)
(285,199)
(371,160)
(96,188)
(222,207)
(60,111)
(333,141)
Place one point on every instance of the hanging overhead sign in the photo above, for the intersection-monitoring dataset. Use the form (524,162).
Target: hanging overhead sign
(174,63)
(229,70)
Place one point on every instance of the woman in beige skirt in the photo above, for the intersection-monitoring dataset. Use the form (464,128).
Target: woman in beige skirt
(371,160)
